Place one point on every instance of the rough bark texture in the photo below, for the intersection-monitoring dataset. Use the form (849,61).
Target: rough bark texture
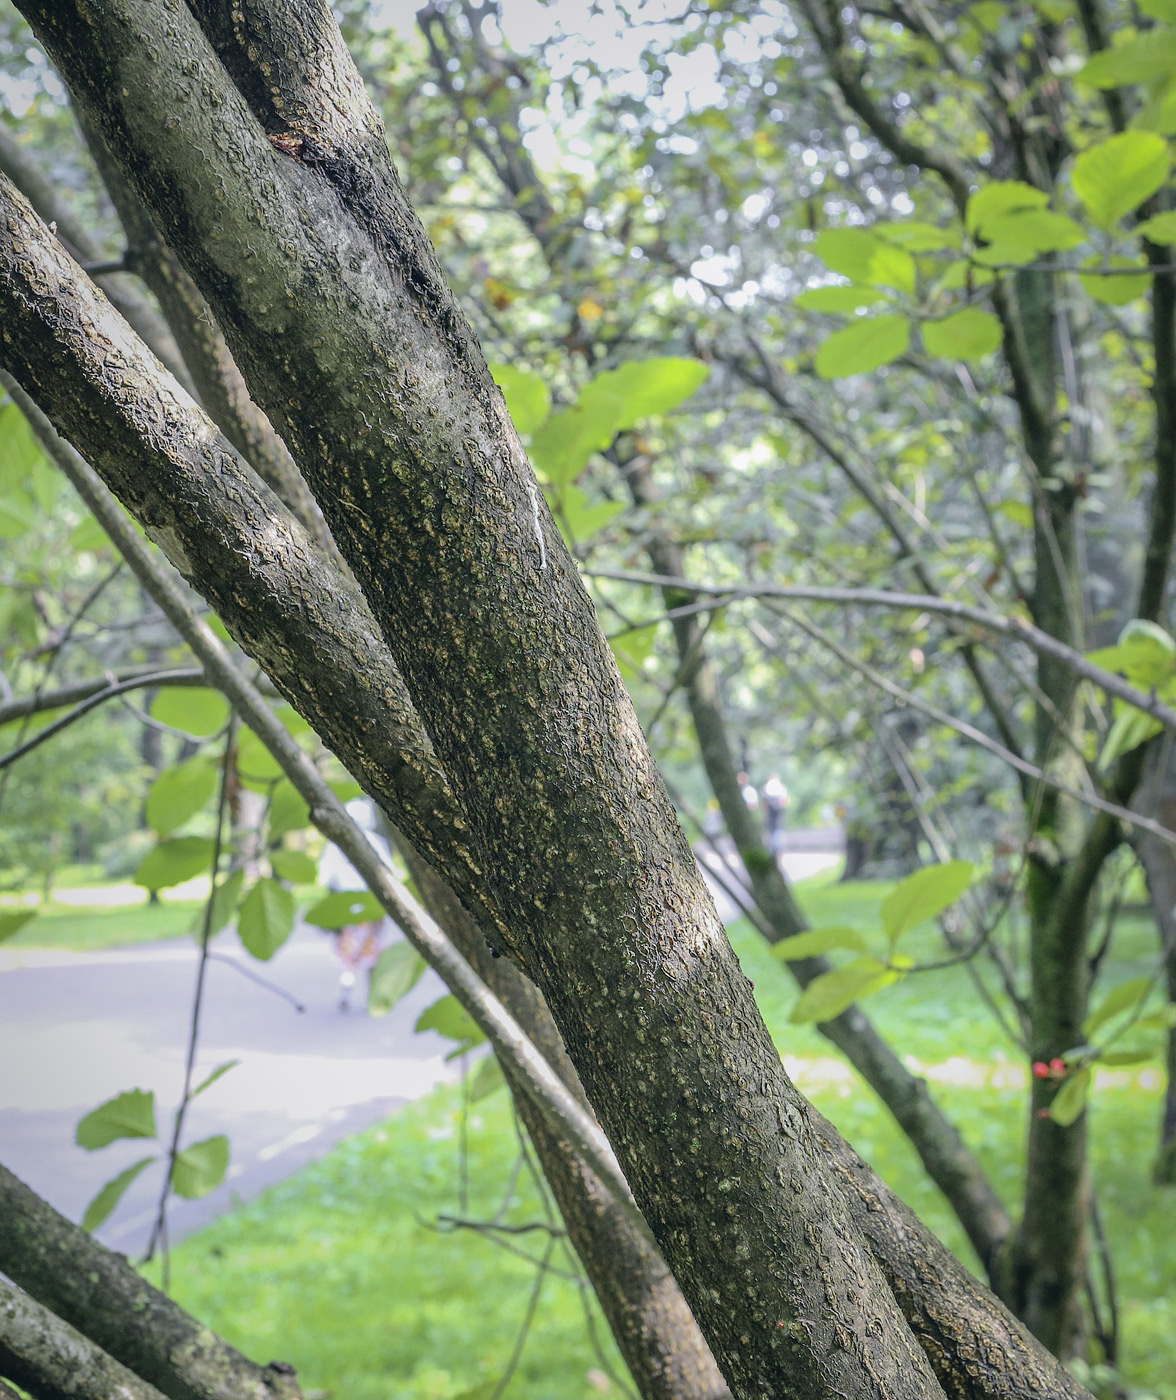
(134,455)
(941,1149)
(52,1361)
(386,405)
(97,1291)
(653,1326)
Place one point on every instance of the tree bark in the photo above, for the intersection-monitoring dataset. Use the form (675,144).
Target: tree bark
(97,1292)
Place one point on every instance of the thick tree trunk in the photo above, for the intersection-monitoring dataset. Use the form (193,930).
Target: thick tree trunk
(233,537)
(947,1160)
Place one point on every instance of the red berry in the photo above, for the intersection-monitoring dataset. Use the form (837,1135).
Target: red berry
(1043,1113)
(1040,1069)
(1057,1066)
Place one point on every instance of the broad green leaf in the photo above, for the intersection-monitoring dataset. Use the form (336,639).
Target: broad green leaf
(528,399)
(488,1080)
(209,1080)
(1117,290)
(193,709)
(580,518)
(1153,55)
(449,1018)
(129,1115)
(224,906)
(12,923)
(265,919)
(19,449)
(1125,997)
(179,793)
(838,300)
(344,908)
(296,725)
(918,237)
(287,811)
(646,388)
(923,895)
(864,345)
(1160,228)
(1116,176)
(1164,1019)
(110,1195)
(397,971)
(45,483)
(89,535)
(1116,1059)
(173,861)
(817,941)
(1139,632)
(1071,1099)
(295,866)
(200,1168)
(967,335)
(15,519)
(1019,512)
(562,446)
(862,256)
(633,649)
(829,995)
(1129,729)
(999,199)
(1036,231)
(256,765)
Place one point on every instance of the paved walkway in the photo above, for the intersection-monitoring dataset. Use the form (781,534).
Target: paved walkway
(76,1029)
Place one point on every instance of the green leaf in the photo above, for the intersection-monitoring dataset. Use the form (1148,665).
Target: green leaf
(1163,1019)
(224,906)
(1019,512)
(830,994)
(179,793)
(200,1168)
(864,345)
(918,237)
(579,518)
(88,535)
(562,447)
(295,866)
(12,923)
(256,765)
(817,941)
(528,399)
(1160,228)
(1115,1059)
(110,1195)
(1153,55)
(1034,231)
(1116,176)
(397,971)
(838,300)
(862,256)
(998,200)
(287,811)
(15,519)
(633,649)
(173,861)
(1125,997)
(210,1080)
(266,918)
(1071,1099)
(1129,729)
(923,895)
(646,388)
(129,1115)
(967,335)
(1118,290)
(488,1079)
(194,709)
(344,908)
(19,449)
(449,1018)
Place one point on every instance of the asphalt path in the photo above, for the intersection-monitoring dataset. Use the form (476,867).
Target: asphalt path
(76,1029)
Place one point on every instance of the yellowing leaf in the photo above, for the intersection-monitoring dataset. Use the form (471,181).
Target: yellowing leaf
(590,309)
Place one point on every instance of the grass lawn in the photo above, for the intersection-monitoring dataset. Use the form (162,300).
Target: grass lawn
(337,1271)
(82,930)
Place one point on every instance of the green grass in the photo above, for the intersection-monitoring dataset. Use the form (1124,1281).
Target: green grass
(337,1271)
(84,930)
